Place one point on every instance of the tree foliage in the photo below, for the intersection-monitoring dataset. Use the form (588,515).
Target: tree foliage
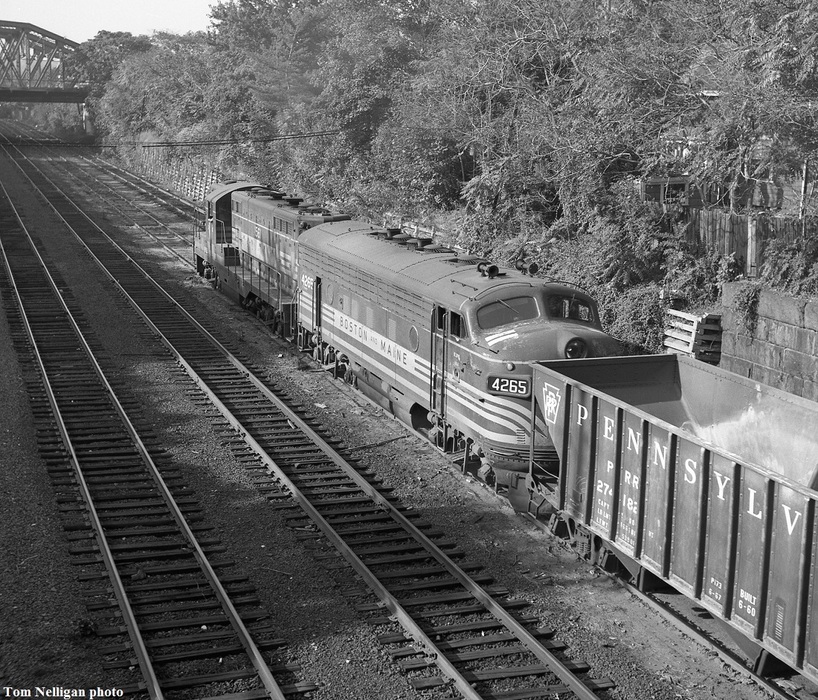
(529,122)
(96,60)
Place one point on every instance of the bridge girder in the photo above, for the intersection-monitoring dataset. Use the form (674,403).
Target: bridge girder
(34,65)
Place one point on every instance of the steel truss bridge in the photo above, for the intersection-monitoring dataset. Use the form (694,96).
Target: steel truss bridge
(35,66)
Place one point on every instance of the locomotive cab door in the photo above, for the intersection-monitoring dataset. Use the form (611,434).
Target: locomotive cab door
(438,355)
(310,333)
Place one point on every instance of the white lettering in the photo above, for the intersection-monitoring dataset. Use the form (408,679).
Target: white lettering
(634,439)
(582,414)
(608,433)
(746,595)
(375,341)
(752,503)
(722,482)
(791,522)
(690,471)
(660,454)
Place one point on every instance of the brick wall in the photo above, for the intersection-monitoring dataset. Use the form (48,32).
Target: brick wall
(783,349)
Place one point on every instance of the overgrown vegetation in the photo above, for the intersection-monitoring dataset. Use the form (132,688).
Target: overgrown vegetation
(524,125)
(792,266)
(745,305)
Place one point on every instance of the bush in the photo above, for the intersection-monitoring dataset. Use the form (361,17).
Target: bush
(791,267)
(635,316)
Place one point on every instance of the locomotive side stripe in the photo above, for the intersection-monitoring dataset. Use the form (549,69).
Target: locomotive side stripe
(505,438)
(499,337)
(463,398)
(512,416)
(500,412)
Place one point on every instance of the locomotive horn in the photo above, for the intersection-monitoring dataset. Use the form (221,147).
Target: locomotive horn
(487,269)
(526,267)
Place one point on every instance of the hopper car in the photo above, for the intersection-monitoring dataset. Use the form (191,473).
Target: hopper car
(683,474)
(443,340)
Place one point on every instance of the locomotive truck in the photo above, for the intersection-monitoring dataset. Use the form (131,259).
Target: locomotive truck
(442,340)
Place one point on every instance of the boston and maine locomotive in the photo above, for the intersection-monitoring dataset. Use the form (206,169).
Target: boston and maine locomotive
(443,340)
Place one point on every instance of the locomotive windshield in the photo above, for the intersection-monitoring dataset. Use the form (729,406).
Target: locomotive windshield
(502,311)
(569,307)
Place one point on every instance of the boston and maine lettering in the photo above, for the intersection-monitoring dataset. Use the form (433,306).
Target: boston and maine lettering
(375,341)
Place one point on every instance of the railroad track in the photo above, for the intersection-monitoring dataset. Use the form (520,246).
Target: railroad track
(163,217)
(455,628)
(155,593)
(156,194)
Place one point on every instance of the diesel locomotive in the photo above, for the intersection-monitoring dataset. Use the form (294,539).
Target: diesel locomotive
(444,341)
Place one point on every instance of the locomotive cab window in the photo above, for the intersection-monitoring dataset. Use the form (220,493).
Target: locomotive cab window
(503,311)
(570,308)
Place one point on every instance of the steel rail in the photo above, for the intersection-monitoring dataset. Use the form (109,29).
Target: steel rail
(533,646)
(388,599)
(182,206)
(146,187)
(252,650)
(146,667)
(95,177)
(115,173)
(179,238)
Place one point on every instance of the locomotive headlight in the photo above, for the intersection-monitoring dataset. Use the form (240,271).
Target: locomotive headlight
(510,366)
(576,348)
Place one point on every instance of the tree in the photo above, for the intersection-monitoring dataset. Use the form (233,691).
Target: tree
(757,77)
(97,59)
(278,43)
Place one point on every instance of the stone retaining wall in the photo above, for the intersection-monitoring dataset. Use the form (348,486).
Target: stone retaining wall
(782,349)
